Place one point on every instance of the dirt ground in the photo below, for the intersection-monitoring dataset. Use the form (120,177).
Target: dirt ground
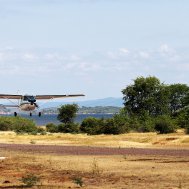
(119,172)
(95,170)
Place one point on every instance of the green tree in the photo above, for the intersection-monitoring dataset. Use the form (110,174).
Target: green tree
(67,113)
(182,117)
(147,96)
(178,96)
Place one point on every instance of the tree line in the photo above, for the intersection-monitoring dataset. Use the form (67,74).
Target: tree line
(149,105)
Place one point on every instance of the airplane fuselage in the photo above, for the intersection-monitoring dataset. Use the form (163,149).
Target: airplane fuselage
(27,106)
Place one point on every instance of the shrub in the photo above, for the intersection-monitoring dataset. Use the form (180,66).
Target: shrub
(30,180)
(92,126)
(18,124)
(164,125)
(22,125)
(68,128)
(121,122)
(134,123)
(41,131)
(5,125)
(111,127)
(147,125)
(52,128)
(78,181)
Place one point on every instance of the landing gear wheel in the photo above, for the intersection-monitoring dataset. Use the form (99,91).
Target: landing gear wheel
(30,114)
(15,114)
(39,114)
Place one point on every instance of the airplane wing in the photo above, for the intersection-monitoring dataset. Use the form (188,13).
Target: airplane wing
(8,96)
(8,106)
(43,97)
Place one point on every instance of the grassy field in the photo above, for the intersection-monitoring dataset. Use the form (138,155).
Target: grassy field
(146,140)
(96,172)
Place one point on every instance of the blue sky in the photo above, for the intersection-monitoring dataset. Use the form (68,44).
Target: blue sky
(95,47)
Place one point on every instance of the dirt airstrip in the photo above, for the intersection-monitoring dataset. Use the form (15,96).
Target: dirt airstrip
(128,161)
(83,150)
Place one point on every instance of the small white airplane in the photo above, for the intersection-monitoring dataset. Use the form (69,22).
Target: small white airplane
(28,102)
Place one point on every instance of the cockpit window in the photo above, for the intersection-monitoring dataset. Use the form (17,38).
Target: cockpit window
(26,98)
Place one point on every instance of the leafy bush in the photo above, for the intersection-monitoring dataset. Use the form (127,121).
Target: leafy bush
(68,128)
(5,124)
(134,123)
(17,124)
(114,126)
(164,125)
(52,128)
(22,125)
(78,181)
(92,126)
(147,125)
(30,180)
(41,131)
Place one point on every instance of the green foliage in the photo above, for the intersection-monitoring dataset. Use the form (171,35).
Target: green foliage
(134,123)
(116,125)
(68,128)
(67,113)
(164,125)
(41,131)
(92,126)
(30,180)
(17,124)
(52,128)
(78,181)
(182,117)
(178,95)
(147,125)
(5,124)
(146,96)
(22,125)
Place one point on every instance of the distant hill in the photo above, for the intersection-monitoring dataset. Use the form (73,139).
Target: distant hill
(87,110)
(116,102)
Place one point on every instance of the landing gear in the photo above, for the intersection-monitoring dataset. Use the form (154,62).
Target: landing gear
(15,114)
(30,114)
(39,114)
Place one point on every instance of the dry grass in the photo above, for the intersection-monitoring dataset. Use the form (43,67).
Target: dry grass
(178,139)
(96,172)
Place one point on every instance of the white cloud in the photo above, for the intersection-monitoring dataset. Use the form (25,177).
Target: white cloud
(144,55)
(120,61)
(165,49)
(124,50)
(29,57)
